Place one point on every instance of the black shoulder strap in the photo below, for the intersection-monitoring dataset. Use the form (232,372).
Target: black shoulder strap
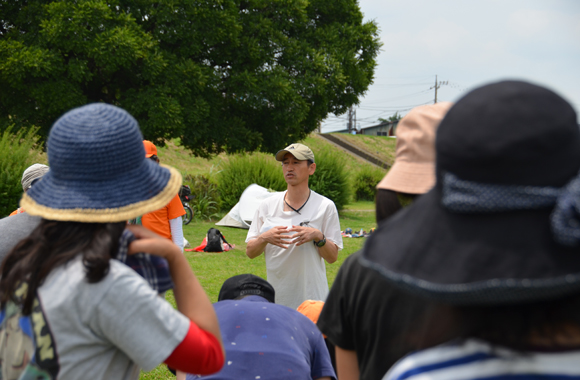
(224,239)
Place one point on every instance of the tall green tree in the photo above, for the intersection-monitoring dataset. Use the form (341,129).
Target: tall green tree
(223,75)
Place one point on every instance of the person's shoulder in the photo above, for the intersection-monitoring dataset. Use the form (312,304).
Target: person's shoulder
(22,219)
(119,271)
(453,357)
(75,271)
(174,202)
(254,309)
(352,262)
(353,272)
(272,200)
(321,199)
(15,228)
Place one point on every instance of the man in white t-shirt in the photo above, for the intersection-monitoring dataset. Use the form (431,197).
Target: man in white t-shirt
(297,230)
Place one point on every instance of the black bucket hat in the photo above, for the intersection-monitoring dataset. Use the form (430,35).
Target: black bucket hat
(502,224)
(246,284)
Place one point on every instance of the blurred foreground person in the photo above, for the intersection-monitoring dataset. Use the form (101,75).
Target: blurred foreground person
(70,311)
(264,340)
(489,259)
(358,310)
(18,224)
(31,175)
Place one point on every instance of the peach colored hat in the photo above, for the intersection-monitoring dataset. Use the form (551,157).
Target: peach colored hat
(414,169)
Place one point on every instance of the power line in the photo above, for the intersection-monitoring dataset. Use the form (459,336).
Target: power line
(400,97)
(401,84)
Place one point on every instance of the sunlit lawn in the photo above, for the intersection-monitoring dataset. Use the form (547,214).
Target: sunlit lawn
(213,269)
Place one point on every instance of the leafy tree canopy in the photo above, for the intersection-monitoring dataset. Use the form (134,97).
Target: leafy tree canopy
(223,75)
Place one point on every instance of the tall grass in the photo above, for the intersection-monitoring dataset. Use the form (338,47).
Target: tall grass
(365,182)
(17,152)
(205,198)
(242,170)
(331,177)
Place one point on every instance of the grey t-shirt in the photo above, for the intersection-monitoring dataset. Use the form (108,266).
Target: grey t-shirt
(13,229)
(105,330)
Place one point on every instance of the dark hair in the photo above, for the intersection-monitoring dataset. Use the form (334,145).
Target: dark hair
(420,323)
(515,326)
(52,244)
(154,158)
(310,162)
(388,203)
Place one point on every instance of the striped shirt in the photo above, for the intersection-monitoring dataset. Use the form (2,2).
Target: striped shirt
(477,360)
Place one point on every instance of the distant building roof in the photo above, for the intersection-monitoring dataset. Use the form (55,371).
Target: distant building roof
(382,124)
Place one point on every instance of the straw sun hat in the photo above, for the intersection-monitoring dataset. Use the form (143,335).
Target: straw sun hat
(502,224)
(98,170)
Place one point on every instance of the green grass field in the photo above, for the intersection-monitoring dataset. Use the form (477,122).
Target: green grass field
(213,269)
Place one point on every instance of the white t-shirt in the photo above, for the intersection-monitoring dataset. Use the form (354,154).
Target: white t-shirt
(297,273)
(105,330)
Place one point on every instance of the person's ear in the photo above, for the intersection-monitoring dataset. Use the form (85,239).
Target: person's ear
(312,168)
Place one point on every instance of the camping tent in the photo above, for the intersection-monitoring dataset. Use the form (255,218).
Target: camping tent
(242,213)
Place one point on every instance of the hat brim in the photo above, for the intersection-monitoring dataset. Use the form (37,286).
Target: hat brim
(469,259)
(139,191)
(409,177)
(299,156)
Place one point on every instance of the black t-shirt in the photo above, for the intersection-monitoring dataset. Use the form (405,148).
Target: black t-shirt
(359,315)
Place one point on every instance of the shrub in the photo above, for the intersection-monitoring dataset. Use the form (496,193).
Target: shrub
(366,181)
(16,154)
(205,198)
(240,171)
(331,177)
(203,186)
(204,208)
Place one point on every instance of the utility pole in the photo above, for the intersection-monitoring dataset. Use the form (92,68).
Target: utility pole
(350,126)
(355,121)
(437,86)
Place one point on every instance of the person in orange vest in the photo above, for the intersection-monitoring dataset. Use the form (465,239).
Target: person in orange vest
(167,220)
(30,176)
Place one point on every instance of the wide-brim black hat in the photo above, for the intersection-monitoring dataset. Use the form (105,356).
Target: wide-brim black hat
(507,135)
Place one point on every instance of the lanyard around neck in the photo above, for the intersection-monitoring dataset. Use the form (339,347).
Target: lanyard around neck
(301,207)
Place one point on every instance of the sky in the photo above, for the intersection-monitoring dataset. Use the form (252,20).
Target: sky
(466,43)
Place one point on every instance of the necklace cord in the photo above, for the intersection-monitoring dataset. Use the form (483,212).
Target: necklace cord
(301,207)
